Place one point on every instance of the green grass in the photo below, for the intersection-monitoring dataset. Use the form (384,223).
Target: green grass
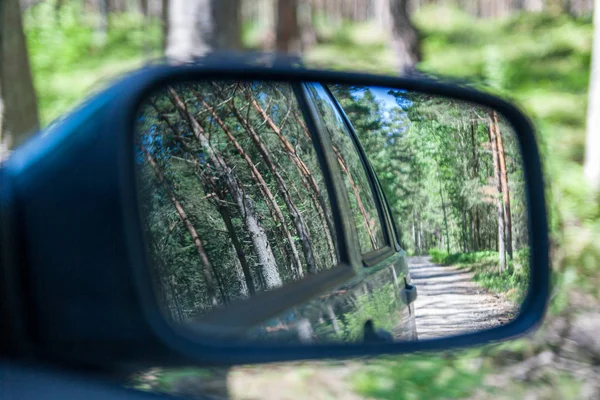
(485,265)
(421,376)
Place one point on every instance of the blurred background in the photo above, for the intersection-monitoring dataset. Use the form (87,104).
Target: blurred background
(538,53)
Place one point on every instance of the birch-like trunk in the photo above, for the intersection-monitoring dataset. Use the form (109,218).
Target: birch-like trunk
(269,197)
(245,204)
(300,224)
(197,27)
(592,144)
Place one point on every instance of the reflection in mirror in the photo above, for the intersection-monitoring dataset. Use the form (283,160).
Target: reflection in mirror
(234,203)
(232,193)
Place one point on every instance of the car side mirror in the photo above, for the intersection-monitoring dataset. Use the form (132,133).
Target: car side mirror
(229,213)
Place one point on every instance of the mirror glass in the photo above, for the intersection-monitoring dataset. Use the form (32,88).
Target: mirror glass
(231,180)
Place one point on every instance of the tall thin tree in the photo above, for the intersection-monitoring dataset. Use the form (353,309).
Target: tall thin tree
(197,27)
(499,202)
(505,189)
(245,204)
(592,145)
(287,37)
(405,37)
(269,197)
(208,268)
(18,103)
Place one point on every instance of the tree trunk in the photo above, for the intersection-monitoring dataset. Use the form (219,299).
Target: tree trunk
(405,38)
(287,28)
(313,187)
(241,256)
(208,268)
(444,211)
(247,285)
(505,190)
(414,232)
(592,145)
(164,20)
(18,104)
(197,27)
(145,24)
(240,275)
(300,224)
(244,203)
(270,198)
(420,237)
(308,36)
(500,209)
(359,202)
(533,5)
(102,27)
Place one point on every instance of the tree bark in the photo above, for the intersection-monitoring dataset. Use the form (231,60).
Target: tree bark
(300,224)
(197,27)
(244,203)
(361,206)
(500,209)
(164,19)
(208,268)
(405,38)
(420,237)
(444,211)
(505,190)
(270,198)
(533,5)
(592,145)
(311,184)
(102,27)
(243,272)
(18,103)
(287,38)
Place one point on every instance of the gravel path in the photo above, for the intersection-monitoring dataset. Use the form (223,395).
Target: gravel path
(450,303)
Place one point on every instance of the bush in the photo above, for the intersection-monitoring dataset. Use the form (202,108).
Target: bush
(441,257)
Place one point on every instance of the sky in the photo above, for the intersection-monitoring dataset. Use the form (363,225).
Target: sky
(387,101)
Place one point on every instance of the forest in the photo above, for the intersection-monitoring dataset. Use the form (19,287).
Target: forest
(235,199)
(451,171)
(231,183)
(537,52)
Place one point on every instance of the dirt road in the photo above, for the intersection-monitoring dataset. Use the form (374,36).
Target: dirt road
(450,303)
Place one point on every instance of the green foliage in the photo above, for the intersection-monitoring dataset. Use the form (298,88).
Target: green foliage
(426,376)
(441,257)
(513,281)
(380,306)
(68,62)
(544,65)
(541,62)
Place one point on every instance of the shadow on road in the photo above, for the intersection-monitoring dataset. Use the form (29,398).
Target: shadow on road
(450,303)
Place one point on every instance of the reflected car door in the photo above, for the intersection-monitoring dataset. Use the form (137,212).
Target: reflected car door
(376,293)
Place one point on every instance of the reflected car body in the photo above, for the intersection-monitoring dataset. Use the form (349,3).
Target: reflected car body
(378,293)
